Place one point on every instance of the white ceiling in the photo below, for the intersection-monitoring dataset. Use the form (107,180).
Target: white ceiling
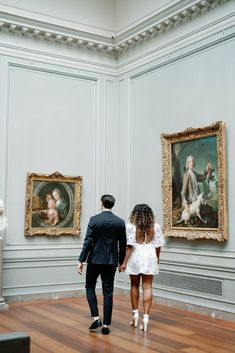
(105,15)
(129,13)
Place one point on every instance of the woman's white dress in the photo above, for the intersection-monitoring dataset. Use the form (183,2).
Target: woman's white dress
(143,258)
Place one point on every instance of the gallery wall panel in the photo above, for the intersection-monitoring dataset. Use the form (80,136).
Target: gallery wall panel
(195,91)
(50,120)
(31,276)
(51,126)
(192,91)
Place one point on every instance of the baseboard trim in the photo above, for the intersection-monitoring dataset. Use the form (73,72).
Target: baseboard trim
(202,310)
(44,296)
(197,309)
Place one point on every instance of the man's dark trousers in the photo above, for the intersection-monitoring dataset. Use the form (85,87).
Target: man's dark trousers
(107,273)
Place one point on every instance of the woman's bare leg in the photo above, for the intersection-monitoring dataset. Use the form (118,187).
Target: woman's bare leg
(135,291)
(147,281)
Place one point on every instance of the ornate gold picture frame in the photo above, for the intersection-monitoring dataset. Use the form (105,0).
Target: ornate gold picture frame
(194,183)
(53,204)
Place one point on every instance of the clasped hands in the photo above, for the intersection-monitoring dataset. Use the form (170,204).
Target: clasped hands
(121,268)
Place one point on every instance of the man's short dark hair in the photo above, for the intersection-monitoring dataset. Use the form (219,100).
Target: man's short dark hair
(108,201)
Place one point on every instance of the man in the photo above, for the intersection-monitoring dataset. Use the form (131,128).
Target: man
(104,249)
(190,189)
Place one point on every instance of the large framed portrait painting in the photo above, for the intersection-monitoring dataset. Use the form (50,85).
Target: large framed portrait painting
(194,183)
(53,204)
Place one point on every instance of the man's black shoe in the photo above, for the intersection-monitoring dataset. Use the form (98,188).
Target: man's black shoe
(105,331)
(96,324)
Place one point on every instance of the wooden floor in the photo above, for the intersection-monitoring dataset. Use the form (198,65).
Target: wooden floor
(62,327)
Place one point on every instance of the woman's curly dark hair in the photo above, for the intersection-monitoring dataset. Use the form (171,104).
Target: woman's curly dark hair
(142,216)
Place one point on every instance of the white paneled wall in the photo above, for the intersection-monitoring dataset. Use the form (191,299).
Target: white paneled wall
(193,89)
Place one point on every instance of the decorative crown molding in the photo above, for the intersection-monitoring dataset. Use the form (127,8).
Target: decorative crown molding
(155,26)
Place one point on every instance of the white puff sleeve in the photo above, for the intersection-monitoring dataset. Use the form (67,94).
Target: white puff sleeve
(158,238)
(130,234)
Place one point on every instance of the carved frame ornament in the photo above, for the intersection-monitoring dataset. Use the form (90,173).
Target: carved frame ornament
(207,145)
(53,205)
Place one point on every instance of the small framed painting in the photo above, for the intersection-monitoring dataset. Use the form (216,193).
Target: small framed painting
(53,204)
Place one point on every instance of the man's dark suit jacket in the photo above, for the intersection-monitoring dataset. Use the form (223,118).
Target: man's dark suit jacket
(105,241)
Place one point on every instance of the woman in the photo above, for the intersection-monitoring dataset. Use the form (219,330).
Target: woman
(61,204)
(144,241)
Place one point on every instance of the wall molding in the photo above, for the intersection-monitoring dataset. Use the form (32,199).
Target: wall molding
(178,266)
(13,65)
(155,26)
(214,253)
(71,260)
(40,285)
(193,265)
(29,267)
(191,294)
(176,48)
(40,265)
(40,259)
(37,57)
(40,246)
(180,47)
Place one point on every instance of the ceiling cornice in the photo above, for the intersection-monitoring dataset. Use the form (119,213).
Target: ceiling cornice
(172,17)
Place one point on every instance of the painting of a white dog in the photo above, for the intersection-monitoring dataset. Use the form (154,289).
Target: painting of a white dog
(193,211)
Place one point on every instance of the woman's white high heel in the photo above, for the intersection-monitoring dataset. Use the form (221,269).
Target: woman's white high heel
(134,321)
(144,324)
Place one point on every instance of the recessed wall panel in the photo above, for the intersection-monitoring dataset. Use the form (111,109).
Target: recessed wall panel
(51,127)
